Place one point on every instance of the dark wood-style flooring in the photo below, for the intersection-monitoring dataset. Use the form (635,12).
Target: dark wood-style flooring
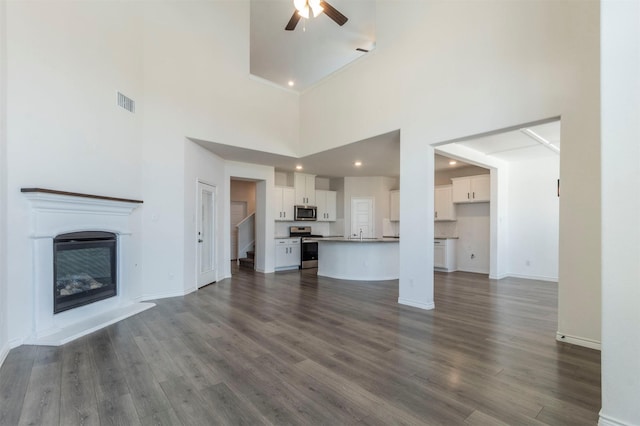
(292,348)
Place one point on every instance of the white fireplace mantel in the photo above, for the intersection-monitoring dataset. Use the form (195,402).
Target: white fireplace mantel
(57,212)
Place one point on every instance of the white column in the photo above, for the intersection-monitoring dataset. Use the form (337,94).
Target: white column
(620,112)
(416,221)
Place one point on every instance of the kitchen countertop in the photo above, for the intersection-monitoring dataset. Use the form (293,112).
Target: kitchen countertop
(356,240)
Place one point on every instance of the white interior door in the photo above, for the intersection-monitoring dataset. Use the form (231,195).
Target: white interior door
(238,212)
(362,217)
(206,234)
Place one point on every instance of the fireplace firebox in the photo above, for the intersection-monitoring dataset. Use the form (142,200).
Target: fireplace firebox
(84,269)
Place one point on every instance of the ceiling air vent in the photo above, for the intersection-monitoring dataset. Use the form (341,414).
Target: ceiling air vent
(126,102)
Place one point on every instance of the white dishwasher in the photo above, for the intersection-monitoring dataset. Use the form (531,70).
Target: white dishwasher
(444,254)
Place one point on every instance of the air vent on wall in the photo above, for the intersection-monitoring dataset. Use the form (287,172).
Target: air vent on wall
(126,102)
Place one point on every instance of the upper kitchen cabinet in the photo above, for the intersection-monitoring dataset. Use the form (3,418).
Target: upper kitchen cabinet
(326,202)
(471,189)
(394,205)
(284,197)
(443,202)
(305,186)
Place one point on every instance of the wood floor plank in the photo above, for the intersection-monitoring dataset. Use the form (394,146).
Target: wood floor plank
(228,408)
(110,380)
(118,412)
(78,404)
(42,401)
(14,381)
(146,393)
(162,418)
(295,348)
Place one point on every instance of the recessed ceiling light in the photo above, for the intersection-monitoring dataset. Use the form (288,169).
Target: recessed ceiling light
(291,83)
(358,163)
(298,167)
(453,162)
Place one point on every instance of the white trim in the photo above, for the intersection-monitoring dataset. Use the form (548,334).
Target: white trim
(4,351)
(532,277)
(580,341)
(89,325)
(214,228)
(474,271)
(147,297)
(363,278)
(498,277)
(65,203)
(610,421)
(416,304)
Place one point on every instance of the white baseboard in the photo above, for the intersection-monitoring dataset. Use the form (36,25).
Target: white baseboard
(498,277)
(473,271)
(580,341)
(146,297)
(4,351)
(533,277)
(610,421)
(416,304)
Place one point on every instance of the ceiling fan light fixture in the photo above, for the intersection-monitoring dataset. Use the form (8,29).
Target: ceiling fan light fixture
(302,6)
(315,7)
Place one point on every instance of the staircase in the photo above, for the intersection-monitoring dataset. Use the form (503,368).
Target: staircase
(249,261)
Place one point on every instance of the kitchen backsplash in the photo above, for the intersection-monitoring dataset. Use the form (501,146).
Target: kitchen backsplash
(317,228)
(445,230)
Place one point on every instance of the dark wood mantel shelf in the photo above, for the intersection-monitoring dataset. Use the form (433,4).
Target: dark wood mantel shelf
(77,194)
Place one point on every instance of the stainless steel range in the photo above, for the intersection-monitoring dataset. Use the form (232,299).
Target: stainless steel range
(309,252)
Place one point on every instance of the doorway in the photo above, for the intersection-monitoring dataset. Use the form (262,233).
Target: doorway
(206,221)
(238,213)
(362,220)
(523,200)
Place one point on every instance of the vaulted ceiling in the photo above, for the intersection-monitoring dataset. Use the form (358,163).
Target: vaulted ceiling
(316,48)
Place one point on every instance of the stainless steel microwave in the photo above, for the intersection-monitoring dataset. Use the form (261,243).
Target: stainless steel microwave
(305,213)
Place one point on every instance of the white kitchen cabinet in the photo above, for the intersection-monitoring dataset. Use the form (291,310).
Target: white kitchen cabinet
(287,253)
(284,197)
(444,255)
(394,205)
(326,203)
(305,187)
(443,203)
(471,189)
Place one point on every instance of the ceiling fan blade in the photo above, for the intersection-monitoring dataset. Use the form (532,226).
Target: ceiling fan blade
(333,13)
(295,18)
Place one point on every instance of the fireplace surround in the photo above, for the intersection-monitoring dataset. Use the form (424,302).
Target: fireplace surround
(71,217)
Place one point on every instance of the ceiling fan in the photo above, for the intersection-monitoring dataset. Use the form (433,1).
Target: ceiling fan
(317,7)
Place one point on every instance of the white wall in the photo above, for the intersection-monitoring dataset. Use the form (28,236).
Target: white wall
(478,72)
(4,339)
(579,270)
(534,216)
(65,62)
(376,187)
(204,166)
(242,190)
(620,207)
(196,84)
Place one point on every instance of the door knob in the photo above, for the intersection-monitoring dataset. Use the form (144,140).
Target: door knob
(199,240)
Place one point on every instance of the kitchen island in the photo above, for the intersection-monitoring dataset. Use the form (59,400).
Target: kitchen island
(369,259)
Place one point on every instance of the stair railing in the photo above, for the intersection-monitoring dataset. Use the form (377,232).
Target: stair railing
(246,235)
